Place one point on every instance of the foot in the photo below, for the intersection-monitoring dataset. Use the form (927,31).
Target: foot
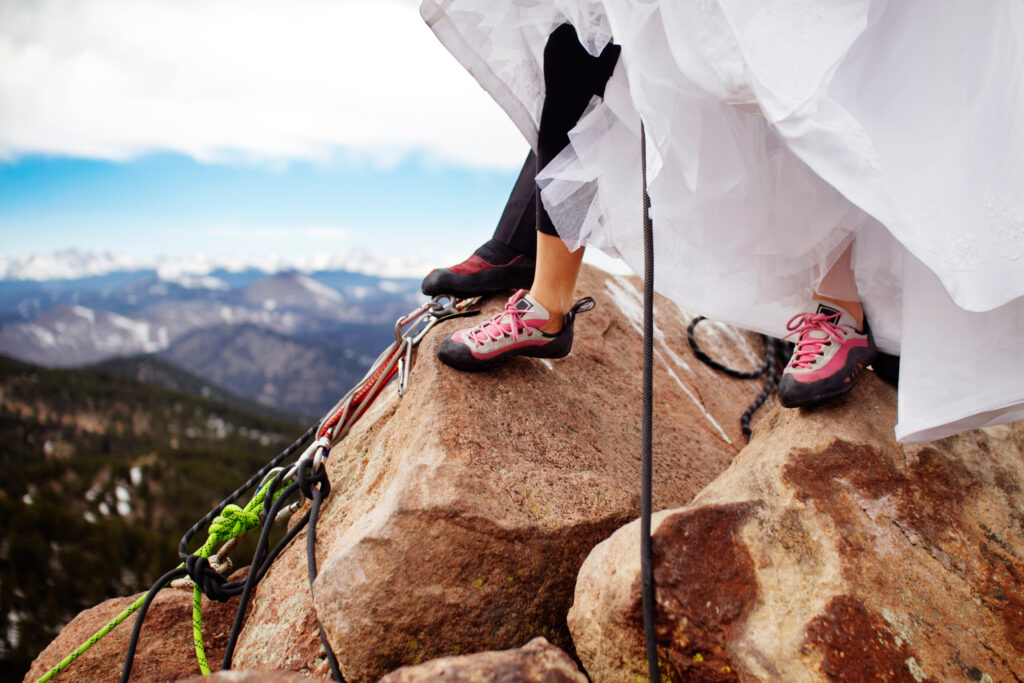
(830,354)
(515,332)
(494,267)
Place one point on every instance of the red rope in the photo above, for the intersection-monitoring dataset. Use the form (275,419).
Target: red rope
(369,389)
(377,378)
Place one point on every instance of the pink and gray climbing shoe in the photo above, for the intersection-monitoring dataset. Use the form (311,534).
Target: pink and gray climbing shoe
(514,332)
(830,354)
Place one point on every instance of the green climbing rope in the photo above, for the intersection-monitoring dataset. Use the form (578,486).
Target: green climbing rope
(233,522)
(67,661)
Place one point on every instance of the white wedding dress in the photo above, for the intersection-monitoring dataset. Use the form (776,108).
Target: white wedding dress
(780,131)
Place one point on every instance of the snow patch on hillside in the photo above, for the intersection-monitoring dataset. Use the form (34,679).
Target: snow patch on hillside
(322,292)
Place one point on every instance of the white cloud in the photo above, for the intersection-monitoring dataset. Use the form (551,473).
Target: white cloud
(250,80)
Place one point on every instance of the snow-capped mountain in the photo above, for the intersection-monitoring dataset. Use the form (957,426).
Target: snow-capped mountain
(292,290)
(74,335)
(263,336)
(75,264)
(68,264)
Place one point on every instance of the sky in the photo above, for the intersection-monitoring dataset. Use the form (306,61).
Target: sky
(243,127)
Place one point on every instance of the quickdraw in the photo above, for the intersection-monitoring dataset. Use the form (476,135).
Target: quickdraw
(396,359)
(275,484)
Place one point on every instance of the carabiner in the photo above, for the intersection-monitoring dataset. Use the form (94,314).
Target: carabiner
(412,328)
(416,329)
(444,307)
(322,446)
(268,478)
(416,324)
(404,363)
(413,317)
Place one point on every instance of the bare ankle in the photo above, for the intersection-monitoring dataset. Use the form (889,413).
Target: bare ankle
(554,325)
(852,307)
(552,305)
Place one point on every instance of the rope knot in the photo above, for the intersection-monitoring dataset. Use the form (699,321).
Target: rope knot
(232,522)
(208,579)
(306,479)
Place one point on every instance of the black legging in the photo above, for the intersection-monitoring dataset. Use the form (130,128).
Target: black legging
(571,78)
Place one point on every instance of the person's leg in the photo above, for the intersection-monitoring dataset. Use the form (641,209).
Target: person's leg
(539,323)
(572,77)
(834,342)
(555,278)
(518,221)
(839,286)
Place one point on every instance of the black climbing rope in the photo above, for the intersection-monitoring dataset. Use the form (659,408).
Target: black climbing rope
(213,584)
(133,642)
(646,565)
(210,582)
(776,352)
(315,485)
(262,559)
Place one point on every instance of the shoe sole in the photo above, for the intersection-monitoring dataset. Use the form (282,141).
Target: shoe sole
(794,394)
(458,356)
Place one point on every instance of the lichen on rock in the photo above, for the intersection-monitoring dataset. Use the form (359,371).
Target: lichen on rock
(834,553)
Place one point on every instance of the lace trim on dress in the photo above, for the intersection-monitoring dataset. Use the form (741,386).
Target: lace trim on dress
(1004,217)
(1002,236)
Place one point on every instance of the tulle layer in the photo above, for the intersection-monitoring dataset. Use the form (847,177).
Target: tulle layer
(780,132)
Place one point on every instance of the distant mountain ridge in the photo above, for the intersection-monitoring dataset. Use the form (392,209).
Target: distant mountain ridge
(290,340)
(305,375)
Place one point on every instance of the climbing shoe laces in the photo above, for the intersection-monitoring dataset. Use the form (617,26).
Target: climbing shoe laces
(508,324)
(814,331)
